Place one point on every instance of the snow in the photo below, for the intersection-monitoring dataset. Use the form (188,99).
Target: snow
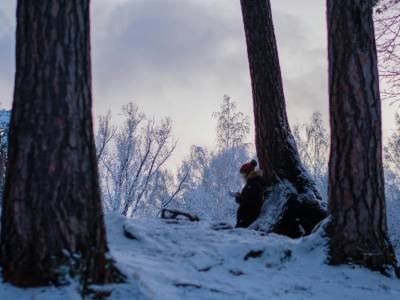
(5,116)
(191,260)
(274,205)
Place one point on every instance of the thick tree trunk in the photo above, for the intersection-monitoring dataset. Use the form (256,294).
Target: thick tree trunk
(52,213)
(358,229)
(276,148)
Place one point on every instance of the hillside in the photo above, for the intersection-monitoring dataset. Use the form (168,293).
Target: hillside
(183,260)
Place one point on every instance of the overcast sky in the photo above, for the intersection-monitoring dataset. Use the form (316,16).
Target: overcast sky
(178,58)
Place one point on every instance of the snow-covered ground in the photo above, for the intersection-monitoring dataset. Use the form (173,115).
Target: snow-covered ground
(184,260)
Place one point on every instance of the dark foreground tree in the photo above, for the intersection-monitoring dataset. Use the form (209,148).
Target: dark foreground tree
(52,219)
(387,24)
(293,203)
(358,231)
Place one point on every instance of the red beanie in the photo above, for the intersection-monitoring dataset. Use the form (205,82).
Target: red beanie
(248,167)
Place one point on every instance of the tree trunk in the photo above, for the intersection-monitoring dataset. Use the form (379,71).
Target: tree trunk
(52,213)
(289,183)
(358,230)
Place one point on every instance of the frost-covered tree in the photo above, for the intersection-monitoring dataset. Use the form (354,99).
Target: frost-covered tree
(392,183)
(312,141)
(392,149)
(212,175)
(232,126)
(163,189)
(193,198)
(189,177)
(392,192)
(131,158)
(221,177)
(105,133)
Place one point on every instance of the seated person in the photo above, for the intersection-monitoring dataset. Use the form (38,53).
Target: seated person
(251,198)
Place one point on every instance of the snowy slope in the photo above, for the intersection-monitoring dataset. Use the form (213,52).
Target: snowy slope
(183,260)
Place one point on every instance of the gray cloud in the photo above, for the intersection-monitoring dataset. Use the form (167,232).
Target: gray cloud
(167,45)
(174,58)
(178,57)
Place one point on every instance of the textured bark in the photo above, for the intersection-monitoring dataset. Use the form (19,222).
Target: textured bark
(276,148)
(52,214)
(358,229)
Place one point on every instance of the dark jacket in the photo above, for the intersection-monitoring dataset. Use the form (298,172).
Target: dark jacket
(251,199)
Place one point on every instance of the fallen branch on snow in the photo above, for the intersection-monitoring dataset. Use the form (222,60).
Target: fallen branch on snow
(174,214)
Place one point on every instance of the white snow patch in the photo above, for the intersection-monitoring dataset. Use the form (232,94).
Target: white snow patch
(190,260)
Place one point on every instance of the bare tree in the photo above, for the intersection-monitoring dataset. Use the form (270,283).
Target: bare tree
(392,149)
(293,189)
(358,228)
(132,158)
(105,133)
(232,126)
(312,141)
(52,216)
(387,20)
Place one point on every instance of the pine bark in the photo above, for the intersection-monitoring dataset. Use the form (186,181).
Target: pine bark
(358,230)
(276,147)
(52,213)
